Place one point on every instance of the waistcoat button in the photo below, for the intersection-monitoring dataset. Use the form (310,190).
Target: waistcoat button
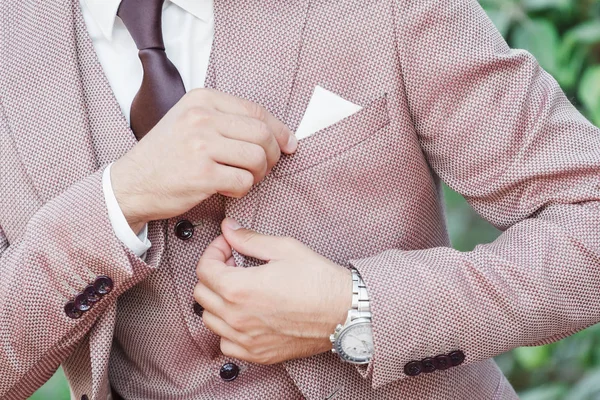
(229,372)
(184,229)
(198,309)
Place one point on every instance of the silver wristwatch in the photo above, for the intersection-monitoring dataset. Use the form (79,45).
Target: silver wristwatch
(353,341)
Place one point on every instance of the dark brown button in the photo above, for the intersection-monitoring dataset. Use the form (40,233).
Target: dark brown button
(198,309)
(82,303)
(413,368)
(428,365)
(456,358)
(84,397)
(91,294)
(72,311)
(103,285)
(442,362)
(184,229)
(229,372)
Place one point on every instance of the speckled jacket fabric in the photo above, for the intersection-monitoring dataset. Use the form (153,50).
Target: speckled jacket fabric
(444,99)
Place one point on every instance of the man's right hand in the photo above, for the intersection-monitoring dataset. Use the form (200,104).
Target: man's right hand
(209,142)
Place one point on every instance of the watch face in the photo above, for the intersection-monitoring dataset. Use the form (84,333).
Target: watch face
(355,343)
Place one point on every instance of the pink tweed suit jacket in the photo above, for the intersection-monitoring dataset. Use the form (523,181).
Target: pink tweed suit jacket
(444,99)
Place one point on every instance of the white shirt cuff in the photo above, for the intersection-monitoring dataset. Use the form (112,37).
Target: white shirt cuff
(138,244)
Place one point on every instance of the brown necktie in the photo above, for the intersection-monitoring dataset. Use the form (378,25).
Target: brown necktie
(161,86)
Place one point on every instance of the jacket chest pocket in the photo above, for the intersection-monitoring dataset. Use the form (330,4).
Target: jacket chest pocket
(336,139)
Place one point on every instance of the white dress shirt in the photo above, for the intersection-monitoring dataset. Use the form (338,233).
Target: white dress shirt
(188,31)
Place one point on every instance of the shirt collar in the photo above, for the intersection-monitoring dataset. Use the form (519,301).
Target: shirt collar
(104,12)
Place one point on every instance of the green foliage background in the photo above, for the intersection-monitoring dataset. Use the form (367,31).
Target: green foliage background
(564,35)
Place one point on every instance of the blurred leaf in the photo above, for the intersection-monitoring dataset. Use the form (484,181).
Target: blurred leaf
(532,357)
(589,92)
(540,38)
(588,388)
(537,5)
(553,391)
(585,33)
(569,71)
(501,19)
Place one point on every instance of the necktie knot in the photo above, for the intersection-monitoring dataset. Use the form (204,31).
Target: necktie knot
(143,20)
(162,86)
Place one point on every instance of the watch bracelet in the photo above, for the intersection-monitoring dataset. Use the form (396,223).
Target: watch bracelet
(360,298)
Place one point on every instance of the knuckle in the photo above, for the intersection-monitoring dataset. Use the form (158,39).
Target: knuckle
(249,237)
(227,292)
(237,322)
(263,132)
(233,293)
(248,342)
(200,146)
(255,155)
(196,116)
(201,272)
(256,111)
(197,294)
(243,181)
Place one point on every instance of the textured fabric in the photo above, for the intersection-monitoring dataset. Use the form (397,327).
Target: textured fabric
(162,85)
(443,97)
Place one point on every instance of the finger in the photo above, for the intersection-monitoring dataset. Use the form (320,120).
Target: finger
(250,130)
(244,155)
(212,274)
(234,105)
(232,181)
(218,250)
(212,266)
(208,299)
(230,262)
(232,349)
(221,328)
(253,244)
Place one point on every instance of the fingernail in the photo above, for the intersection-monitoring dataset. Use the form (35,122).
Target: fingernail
(232,224)
(292,143)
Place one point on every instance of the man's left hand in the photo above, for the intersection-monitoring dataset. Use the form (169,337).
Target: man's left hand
(282,310)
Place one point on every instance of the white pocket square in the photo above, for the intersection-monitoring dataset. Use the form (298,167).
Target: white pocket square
(324,109)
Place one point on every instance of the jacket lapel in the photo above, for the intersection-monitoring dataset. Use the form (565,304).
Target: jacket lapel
(56,94)
(255,56)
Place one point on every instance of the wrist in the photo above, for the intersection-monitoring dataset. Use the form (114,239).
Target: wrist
(131,204)
(343,299)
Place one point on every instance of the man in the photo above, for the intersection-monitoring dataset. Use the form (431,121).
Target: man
(129,206)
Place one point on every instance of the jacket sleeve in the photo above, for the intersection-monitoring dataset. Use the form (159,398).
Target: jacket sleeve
(68,243)
(498,129)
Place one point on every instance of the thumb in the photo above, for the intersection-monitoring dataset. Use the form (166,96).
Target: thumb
(251,243)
